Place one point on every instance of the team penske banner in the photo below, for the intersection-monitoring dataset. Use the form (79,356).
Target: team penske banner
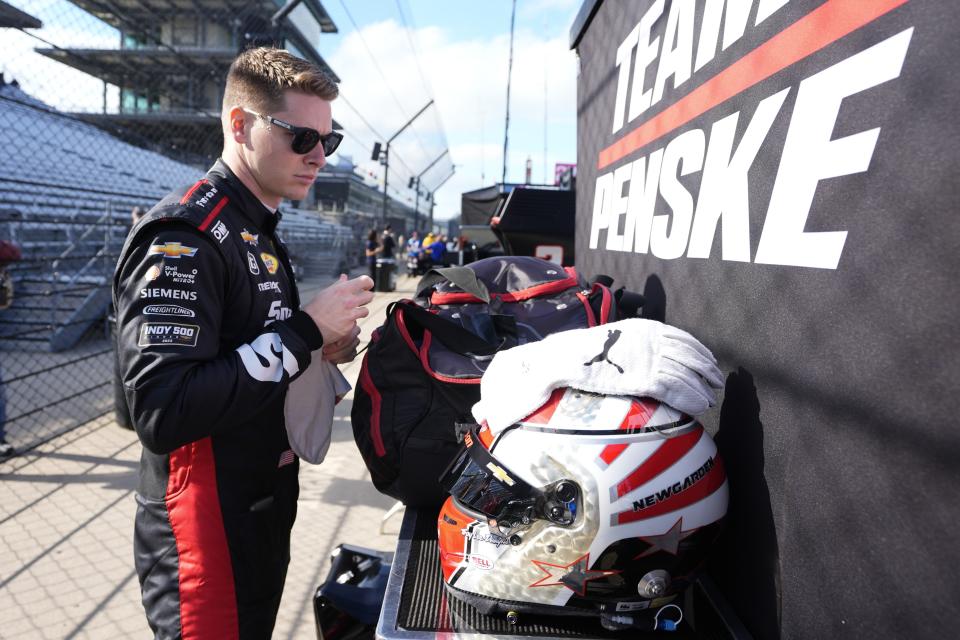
(780,177)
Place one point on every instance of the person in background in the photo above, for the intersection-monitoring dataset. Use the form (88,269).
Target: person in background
(9,253)
(388,243)
(413,252)
(437,249)
(372,250)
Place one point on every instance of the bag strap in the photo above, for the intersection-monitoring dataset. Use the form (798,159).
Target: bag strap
(455,338)
(463,277)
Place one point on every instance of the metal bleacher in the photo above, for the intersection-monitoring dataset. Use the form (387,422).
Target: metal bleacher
(66,192)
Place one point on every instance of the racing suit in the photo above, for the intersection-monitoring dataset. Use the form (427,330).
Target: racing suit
(210,335)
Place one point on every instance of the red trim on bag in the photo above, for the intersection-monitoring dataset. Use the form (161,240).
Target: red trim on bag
(425,361)
(402,328)
(554,286)
(208,601)
(606,302)
(591,319)
(192,190)
(367,383)
(213,214)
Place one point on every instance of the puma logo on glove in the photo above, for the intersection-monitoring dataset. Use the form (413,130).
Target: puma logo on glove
(648,359)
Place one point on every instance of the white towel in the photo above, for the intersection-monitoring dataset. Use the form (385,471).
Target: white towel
(308,408)
(631,357)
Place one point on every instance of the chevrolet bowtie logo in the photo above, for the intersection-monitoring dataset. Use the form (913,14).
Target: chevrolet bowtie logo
(172,250)
(500,474)
(249,238)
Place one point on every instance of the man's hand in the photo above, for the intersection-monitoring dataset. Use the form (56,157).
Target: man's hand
(337,308)
(343,350)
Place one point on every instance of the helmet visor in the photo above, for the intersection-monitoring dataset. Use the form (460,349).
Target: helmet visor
(480,483)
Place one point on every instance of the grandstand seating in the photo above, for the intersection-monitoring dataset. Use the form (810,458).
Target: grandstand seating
(66,192)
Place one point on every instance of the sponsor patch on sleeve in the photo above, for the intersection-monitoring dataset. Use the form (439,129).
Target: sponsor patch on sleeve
(168,310)
(168,333)
(270,262)
(172,250)
(220,231)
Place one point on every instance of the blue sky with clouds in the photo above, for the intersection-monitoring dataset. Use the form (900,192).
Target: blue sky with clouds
(454,52)
(463,52)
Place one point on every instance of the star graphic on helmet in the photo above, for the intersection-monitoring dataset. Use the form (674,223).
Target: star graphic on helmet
(573,576)
(669,541)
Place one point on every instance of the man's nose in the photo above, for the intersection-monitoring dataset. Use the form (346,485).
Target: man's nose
(316,157)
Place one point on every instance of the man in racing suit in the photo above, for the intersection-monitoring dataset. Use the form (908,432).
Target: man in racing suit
(210,334)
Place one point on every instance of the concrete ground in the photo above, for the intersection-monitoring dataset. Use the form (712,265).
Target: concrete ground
(66,525)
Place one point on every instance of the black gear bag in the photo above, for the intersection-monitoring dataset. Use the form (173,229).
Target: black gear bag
(420,376)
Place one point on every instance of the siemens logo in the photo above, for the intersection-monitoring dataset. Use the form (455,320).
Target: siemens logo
(170,294)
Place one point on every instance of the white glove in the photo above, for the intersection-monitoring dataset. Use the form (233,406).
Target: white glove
(308,408)
(632,357)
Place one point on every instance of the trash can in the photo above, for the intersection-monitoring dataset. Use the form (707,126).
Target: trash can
(386,274)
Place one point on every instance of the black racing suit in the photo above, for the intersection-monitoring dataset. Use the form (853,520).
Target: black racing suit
(210,335)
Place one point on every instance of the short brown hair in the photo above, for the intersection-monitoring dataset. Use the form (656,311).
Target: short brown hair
(258,78)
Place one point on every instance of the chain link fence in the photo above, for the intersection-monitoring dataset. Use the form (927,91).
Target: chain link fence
(105,107)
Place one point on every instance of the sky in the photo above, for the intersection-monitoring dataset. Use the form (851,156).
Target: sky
(393,57)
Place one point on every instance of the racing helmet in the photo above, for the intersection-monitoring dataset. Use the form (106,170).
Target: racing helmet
(593,505)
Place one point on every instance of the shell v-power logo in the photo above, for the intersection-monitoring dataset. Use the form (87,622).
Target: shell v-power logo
(651,156)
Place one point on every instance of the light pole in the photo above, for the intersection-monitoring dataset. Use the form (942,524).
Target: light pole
(386,159)
(433,193)
(416,180)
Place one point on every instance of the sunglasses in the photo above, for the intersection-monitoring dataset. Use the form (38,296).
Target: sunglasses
(304,138)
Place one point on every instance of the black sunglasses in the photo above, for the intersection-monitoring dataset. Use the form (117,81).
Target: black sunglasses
(305,138)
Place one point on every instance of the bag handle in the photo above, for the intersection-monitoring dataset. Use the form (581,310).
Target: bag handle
(463,277)
(455,338)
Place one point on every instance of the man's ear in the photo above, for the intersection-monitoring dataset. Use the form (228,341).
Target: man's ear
(237,120)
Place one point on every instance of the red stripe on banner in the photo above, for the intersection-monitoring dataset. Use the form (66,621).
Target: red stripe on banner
(208,602)
(662,459)
(821,27)
(213,214)
(367,383)
(706,486)
(191,191)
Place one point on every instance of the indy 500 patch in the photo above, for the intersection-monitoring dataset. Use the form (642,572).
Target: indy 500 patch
(164,333)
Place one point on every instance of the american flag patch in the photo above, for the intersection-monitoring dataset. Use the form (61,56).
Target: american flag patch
(287,457)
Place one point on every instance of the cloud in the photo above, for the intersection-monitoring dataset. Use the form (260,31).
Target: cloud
(468,79)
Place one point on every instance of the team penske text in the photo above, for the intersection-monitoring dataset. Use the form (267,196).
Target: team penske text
(702,176)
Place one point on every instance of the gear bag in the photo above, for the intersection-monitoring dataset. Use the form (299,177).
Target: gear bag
(421,373)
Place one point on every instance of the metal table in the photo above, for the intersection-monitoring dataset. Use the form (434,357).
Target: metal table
(416,605)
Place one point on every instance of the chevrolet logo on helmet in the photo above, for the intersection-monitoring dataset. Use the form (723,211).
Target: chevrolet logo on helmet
(500,474)
(172,250)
